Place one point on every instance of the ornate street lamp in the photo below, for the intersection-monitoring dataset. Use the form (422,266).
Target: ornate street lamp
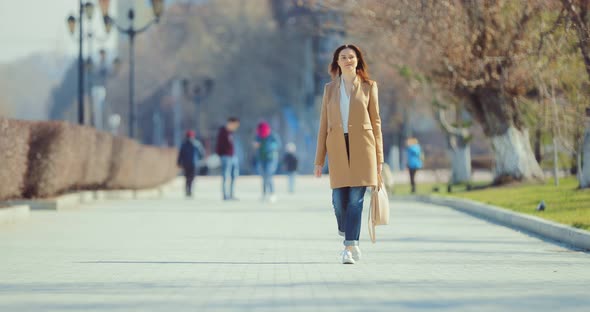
(71,24)
(89,10)
(104,7)
(131,32)
(158,8)
(86,11)
(89,65)
(108,24)
(116,65)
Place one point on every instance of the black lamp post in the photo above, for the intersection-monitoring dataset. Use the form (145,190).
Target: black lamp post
(86,11)
(103,72)
(87,8)
(131,32)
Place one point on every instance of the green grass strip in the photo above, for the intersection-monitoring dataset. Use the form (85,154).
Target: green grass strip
(565,203)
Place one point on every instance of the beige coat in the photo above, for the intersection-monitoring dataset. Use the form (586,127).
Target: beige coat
(364,135)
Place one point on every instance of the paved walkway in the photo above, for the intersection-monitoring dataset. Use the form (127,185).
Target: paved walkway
(207,255)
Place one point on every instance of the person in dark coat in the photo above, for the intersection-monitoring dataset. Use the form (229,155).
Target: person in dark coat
(229,160)
(191,152)
(290,162)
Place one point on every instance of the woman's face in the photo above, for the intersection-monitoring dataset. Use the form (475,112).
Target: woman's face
(347,60)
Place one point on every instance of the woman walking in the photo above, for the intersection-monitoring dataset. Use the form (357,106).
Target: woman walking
(267,153)
(350,134)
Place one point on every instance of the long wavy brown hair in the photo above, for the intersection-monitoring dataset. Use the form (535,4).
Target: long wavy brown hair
(361,67)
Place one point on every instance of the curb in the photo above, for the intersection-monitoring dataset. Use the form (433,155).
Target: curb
(14,213)
(77,199)
(149,193)
(114,194)
(63,202)
(570,236)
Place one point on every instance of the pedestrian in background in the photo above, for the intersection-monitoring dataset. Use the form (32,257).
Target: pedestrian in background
(189,157)
(415,158)
(290,162)
(267,146)
(229,161)
(350,134)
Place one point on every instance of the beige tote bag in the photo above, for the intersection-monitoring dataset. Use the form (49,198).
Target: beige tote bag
(379,208)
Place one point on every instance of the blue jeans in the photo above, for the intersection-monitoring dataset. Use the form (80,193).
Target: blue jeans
(267,169)
(229,172)
(291,181)
(348,207)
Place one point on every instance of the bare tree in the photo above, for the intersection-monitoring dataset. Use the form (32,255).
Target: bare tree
(579,14)
(473,49)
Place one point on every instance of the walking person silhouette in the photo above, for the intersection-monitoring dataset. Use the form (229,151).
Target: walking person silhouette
(350,134)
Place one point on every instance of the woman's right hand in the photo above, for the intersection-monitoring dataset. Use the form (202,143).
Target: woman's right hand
(317,171)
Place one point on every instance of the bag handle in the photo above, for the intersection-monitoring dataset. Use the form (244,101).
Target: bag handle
(379,181)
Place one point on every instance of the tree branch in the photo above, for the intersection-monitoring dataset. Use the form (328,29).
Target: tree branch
(447,127)
(550,31)
(581,28)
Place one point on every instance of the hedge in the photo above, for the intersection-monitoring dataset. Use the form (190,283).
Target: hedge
(42,159)
(14,148)
(99,161)
(138,166)
(58,157)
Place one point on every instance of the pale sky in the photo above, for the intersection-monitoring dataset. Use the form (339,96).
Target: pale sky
(32,26)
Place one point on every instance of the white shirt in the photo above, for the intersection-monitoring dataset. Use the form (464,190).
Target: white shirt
(344,105)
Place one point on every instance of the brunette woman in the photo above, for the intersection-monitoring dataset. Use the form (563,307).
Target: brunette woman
(350,134)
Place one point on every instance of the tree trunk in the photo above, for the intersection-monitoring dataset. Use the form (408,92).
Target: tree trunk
(578,137)
(458,139)
(555,163)
(585,169)
(461,163)
(503,123)
(514,157)
(538,153)
(394,158)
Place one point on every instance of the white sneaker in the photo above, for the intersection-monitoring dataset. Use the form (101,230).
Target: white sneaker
(356,253)
(273,198)
(347,257)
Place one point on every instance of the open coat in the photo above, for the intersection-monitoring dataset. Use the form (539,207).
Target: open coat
(364,135)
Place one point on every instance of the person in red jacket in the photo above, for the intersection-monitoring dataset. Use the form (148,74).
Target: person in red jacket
(229,160)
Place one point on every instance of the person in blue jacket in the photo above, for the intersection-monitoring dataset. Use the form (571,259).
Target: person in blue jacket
(191,153)
(415,159)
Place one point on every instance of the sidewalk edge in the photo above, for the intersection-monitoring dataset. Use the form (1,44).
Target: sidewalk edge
(14,214)
(544,228)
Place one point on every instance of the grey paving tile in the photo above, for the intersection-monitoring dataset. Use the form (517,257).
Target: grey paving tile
(208,255)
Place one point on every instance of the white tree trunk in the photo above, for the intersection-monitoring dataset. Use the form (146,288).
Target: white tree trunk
(461,164)
(394,156)
(514,156)
(585,170)
(555,163)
